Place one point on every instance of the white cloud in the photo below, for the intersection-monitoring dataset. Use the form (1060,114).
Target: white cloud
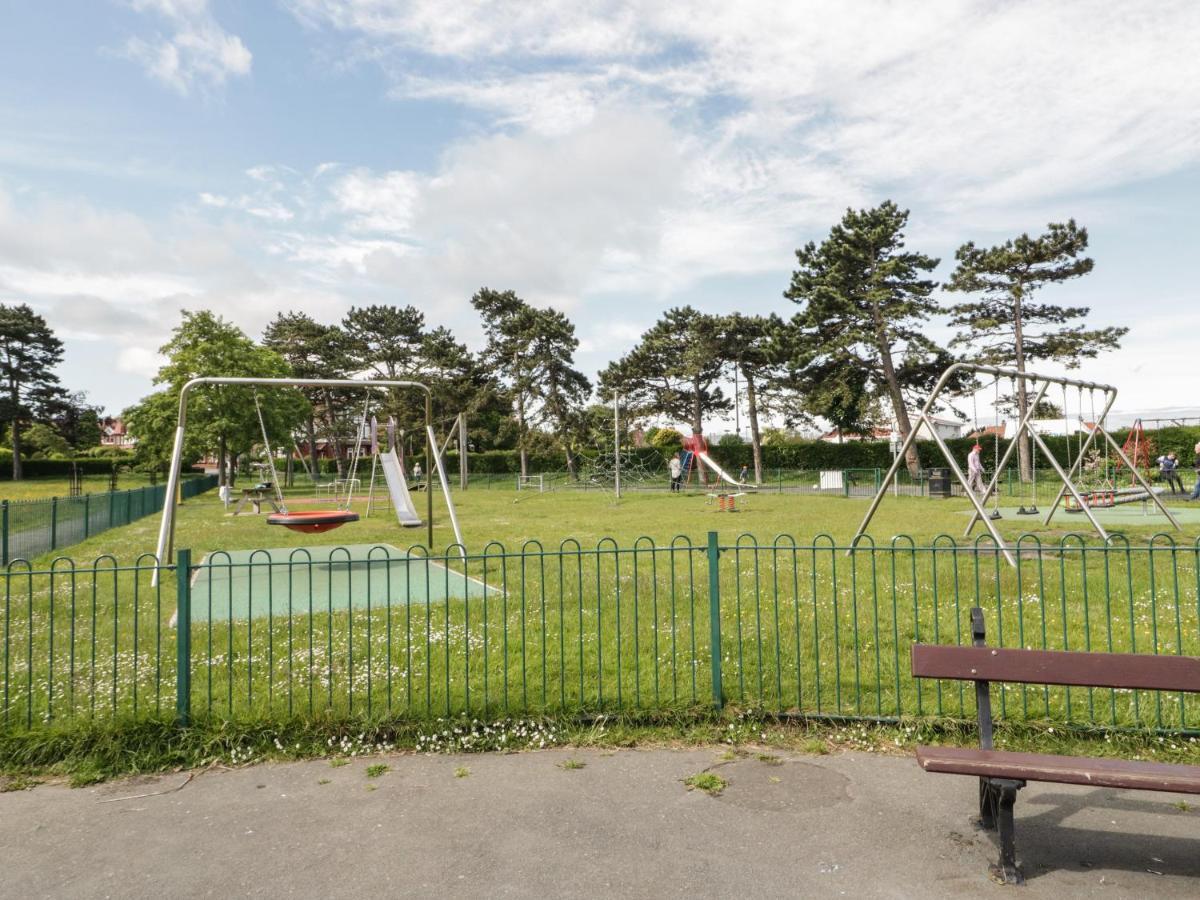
(198,52)
(955,103)
(378,203)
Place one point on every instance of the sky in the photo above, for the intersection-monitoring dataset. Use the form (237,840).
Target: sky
(610,159)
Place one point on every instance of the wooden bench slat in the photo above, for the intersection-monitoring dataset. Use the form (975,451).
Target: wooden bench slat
(1113,773)
(1062,667)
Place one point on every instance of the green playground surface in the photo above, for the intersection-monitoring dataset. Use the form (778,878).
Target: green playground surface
(245,584)
(1137,512)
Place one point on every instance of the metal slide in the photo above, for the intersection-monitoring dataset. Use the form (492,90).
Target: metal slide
(719,472)
(406,512)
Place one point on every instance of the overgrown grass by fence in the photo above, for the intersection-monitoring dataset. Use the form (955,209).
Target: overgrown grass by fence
(779,625)
(31,528)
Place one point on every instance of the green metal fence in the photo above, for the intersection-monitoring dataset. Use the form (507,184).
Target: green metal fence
(787,626)
(31,528)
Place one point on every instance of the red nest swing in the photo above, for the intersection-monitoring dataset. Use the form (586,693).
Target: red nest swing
(313,521)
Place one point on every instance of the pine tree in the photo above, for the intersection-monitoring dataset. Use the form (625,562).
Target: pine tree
(1006,328)
(864,304)
(674,370)
(755,347)
(29,352)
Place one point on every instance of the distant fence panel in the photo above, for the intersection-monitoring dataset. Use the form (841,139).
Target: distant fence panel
(31,528)
(787,627)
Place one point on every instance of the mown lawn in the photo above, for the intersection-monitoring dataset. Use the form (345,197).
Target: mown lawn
(45,488)
(598,605)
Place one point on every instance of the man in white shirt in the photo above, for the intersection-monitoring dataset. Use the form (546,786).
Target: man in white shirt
(975,470)
(675,467)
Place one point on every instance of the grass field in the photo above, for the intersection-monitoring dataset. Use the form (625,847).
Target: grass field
(593,604)
(512,518)
(44,488)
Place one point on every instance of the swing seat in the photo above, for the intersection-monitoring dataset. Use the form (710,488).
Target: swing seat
(313,521)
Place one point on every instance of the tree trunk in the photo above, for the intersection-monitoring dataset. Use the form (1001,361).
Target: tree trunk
(18,473)
(571,473)
(521,435)
(903,424)
(222,474)
(752,415)
(312,447)
(697,409)
(1023,449)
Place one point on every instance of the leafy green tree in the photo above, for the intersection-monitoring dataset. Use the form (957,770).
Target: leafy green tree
(1004,327)
(864,301)
(839,394)
(44,441)
(461,383)
(756,347)
(75,420)
(387,341)
(563,390)
(225,416)
(531,351)
(29,353)
(313,350)
(674,369)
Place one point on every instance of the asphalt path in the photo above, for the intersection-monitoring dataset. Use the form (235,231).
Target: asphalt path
(625,824)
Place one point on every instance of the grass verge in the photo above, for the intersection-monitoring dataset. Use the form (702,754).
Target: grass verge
(85,753)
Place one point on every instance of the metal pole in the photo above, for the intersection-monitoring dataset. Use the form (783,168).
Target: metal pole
(1023,424)
(1083,448)
(937,390)
(1141,481)
(429,451)
(1067,482)
(617,441)
(962,479)
(166,530)
(183,637)
(714,617)
(462,451)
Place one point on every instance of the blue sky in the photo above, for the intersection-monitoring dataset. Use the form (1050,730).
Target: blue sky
(611,159)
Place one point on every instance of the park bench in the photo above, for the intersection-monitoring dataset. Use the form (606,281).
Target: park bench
(1002,773)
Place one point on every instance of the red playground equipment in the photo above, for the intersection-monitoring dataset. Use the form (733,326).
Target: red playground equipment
(1139,449)
(692,447)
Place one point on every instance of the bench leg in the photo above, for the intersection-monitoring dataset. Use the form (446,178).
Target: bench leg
(996,799)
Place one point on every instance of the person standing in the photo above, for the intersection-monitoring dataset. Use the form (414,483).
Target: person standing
(1168,469)
(975,469)
(1196,468)
(675,467)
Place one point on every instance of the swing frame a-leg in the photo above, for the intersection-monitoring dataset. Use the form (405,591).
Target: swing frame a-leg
(924,417)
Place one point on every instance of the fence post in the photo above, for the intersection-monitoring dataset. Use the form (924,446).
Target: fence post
(183,637)
(87,516)
(4,527)
(714,616)
(53,523)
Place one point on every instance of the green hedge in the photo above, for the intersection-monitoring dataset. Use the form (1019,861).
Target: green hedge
(808,455)
(54,468)
(878,454)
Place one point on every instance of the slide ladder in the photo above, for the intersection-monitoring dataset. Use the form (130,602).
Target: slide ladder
(393,472)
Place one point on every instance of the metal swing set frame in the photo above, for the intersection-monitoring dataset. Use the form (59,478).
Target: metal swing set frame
(166,528)
(1036,386)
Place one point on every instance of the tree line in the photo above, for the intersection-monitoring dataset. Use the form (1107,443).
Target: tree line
(41,418)
(853,350)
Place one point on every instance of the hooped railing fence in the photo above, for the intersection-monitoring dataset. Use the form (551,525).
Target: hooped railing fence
(31,528)
(781,625)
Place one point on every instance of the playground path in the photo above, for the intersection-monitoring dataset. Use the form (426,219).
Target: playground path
(522,825)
